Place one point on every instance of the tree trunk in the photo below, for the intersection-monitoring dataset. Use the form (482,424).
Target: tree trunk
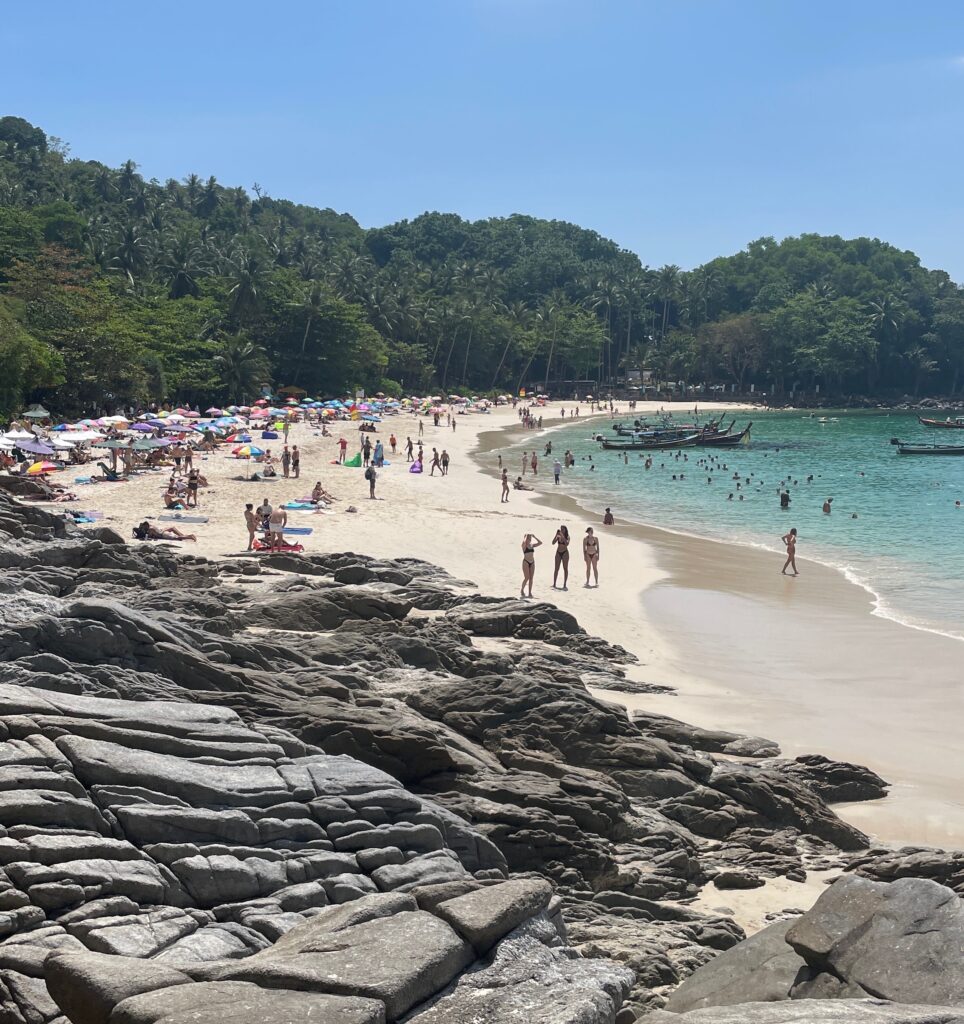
(535,352)
(445,372)
(468,348)
(552,346)
(498,369)
(301,354)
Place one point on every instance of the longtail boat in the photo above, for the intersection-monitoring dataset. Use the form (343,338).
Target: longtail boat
(948,424)
(929,449)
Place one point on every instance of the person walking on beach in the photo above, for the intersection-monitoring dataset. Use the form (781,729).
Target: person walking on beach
(295,462)
(444,457)
(251,522)
(409,448)
(790,542)
(590,552)
(392,441)
(277,522)
(505,486)
(435,462)
(556,471)
(342,448)
(529,544)
(561,541)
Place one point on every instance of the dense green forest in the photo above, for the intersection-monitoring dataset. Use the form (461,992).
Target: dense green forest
(115,290)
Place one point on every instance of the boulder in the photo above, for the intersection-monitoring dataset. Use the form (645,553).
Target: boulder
(900,940)
(762,968)
(486,915)
(840,1011)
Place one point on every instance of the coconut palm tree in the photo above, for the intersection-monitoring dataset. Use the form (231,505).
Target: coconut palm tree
(520,316)
(181,263)
(131,252)
(246,271)
(241,365)
(313,302)
(667,289)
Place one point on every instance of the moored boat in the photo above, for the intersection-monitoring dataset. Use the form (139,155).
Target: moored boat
(927,449)
(947,424)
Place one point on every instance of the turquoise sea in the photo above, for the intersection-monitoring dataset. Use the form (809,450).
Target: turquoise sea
(906,545)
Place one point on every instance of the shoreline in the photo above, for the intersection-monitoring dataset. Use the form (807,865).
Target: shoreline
(715,688)
(652,582)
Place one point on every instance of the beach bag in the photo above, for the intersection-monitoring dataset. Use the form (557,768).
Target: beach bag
(368,473)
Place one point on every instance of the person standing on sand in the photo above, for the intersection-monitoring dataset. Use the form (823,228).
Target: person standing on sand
(435,462)
(371,476)
(251,521)
(529,544)
(277,522)
(790,542)
(444,457)
(505,486)
(561,541)
(608,518)
(342,448)
(590,552)
(285,462)
(263,512)
(421,428)
(295,462)
(193,478)
(409,448)
(392,441)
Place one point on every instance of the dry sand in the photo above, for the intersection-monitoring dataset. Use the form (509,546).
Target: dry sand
(801,661)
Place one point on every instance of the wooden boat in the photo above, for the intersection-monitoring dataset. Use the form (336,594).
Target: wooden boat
(725,439)
(947,424)
(928,449)
(629,444)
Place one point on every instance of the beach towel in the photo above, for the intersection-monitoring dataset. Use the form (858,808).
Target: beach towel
(298,529)
(299,505)
(261,546)
(415,467)
(354,462)
(177,517)
(81,479)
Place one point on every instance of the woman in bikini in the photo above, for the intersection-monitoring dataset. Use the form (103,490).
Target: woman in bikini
(529,544)
(790,541)
(561,541)
(590,551)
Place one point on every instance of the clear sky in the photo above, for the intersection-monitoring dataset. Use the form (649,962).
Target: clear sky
(680,128)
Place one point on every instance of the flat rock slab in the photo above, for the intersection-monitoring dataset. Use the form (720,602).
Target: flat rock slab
(486,915)
(87,986)
(401,960)
(235,1002)
(813,1011)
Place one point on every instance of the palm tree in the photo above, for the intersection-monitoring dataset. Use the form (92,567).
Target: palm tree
(246,271)
(521,315)
(884,318)
(192,189)
(211,198)
(667,289)
(313,302)
(242,366)
(130,253)
(182,263)
(128,177)
(549,314)
(920,364)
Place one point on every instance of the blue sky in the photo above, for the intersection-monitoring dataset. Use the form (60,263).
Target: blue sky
(682,129)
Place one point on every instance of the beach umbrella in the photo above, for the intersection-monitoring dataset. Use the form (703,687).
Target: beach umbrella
(42,467)
(193,415)
(142,427)
(261,401)
(247,451)
(38,412)
(175,417)
(62,446)
(19,435)
(214,411)
(34,447)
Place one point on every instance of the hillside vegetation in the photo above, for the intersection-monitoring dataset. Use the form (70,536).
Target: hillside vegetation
(117,290)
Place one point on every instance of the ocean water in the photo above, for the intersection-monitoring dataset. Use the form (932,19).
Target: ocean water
(906,545)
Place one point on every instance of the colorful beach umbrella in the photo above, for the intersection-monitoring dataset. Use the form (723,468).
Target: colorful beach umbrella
(39,468)
(247,451)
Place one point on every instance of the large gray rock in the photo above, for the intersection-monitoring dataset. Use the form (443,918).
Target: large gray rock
(838,1011)
(87,986)
(901,940)
(235,1002)
(401,960)
(486,915)
(762,968)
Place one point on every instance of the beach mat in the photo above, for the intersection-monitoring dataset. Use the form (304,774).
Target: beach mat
(299,529)
(177,518)
(298,505)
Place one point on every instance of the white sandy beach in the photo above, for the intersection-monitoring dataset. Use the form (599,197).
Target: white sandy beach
(803,661)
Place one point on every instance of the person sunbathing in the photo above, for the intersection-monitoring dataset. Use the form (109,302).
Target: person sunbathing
(319,495)
(173,500)
(147,531)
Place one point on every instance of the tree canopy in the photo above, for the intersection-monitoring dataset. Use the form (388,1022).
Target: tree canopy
(117,290)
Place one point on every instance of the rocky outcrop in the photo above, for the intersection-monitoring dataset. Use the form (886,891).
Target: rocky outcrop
(843,1011)
(219,777)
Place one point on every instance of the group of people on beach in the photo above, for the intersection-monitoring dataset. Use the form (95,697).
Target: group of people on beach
(561,541)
